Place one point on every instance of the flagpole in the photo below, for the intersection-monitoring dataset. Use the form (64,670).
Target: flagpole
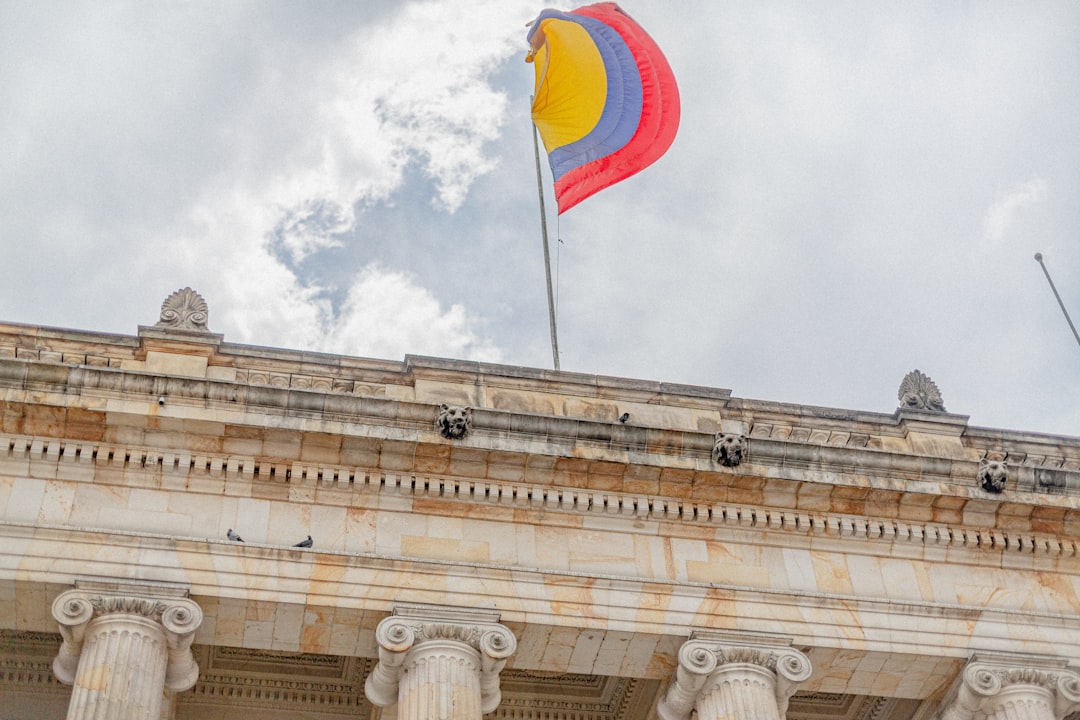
(1039,259)
(547,252)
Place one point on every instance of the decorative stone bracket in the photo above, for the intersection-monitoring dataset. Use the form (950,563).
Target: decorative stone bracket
(720,673)
(439,662)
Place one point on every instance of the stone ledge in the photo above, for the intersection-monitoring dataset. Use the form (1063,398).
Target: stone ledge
(375,583)
(816,425)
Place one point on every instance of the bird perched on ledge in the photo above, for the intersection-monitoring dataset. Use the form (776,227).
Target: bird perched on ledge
(233,536)
(304,543)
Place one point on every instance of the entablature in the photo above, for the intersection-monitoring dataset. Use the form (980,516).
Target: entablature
(295,600)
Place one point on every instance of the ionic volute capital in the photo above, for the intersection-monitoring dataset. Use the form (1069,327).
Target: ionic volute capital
(180,620)
(1067,697)
(989,682)
(73,612)
(792,668)
(707,656)
(475,634)
(164,607)
(697,661)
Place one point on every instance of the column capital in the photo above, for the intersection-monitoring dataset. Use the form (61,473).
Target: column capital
(475,634)
(162,605)
(991,680)
(708,655)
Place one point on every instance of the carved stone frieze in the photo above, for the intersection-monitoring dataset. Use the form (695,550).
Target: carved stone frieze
(729,449)
(453,421)
(248,680)
(185,309)
(26,661)
(919,392)
(267,679)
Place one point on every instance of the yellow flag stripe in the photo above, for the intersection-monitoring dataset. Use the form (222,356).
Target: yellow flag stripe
(571,83)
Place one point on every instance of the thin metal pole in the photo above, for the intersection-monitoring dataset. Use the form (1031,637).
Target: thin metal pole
(547,252)
(1038,256)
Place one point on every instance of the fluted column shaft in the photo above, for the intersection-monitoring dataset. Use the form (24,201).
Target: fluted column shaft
(741,691)
(725,677)
(121,672)
(1015,688)
(439,663)
(441,681)
(124,645)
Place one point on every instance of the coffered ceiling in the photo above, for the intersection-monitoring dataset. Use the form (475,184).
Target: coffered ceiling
(238,683)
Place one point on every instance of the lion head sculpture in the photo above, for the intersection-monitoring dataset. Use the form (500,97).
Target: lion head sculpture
(453,421)
(729,449)
(993,474)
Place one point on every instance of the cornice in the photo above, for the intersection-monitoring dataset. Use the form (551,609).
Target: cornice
(287,369)
(795,452)
(38,457)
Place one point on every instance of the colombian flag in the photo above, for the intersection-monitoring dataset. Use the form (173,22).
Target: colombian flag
(606,103)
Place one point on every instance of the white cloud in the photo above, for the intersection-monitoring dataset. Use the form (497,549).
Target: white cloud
(385,100)
(387,315)
(833,168)
(426,87)
(312,226)
(1001,213)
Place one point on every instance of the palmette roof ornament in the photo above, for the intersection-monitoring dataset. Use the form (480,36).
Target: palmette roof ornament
(185,309)
(918,392)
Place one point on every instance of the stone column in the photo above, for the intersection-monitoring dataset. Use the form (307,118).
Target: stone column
(1014,688)
(124,645)
(733,677)
(439,663)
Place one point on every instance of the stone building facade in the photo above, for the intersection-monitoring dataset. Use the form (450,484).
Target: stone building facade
(191,528)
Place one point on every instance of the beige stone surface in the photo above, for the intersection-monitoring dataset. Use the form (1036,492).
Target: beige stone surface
(175,364)
(864,538)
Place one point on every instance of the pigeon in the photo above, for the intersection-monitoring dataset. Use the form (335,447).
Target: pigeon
(624,417)
(233,536)
(304,543)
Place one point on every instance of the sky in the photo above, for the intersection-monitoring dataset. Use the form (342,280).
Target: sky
(857,190)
